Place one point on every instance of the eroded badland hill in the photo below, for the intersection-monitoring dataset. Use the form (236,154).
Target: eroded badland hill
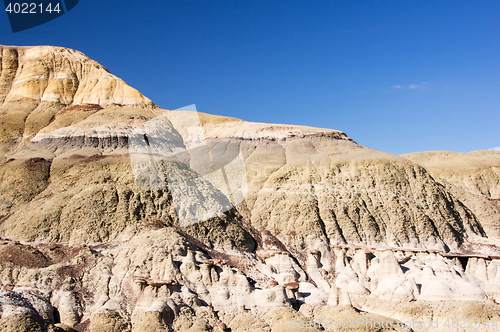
(116,215)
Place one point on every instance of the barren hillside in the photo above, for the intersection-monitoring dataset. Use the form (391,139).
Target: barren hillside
(116,215)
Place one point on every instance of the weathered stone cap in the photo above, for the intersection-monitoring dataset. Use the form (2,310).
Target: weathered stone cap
(62,75)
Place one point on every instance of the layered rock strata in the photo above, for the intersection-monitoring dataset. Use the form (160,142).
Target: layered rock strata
(116,215)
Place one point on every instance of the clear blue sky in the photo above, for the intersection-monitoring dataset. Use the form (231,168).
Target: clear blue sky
(397,76)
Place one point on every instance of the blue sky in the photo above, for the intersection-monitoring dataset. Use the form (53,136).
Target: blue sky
(397,76)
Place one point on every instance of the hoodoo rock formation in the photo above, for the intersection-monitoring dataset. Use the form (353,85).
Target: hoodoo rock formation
(224,225)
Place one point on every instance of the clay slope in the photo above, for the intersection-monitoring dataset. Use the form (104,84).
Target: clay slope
(116,215)
(472,177)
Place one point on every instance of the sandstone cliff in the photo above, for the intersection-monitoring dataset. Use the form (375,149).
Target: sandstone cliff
(36,82)
(116,215)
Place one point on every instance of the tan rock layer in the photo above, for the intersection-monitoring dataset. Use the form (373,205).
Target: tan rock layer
(36,82)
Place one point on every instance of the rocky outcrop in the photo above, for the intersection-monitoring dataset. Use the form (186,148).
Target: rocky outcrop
(116,215)
(37,82)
